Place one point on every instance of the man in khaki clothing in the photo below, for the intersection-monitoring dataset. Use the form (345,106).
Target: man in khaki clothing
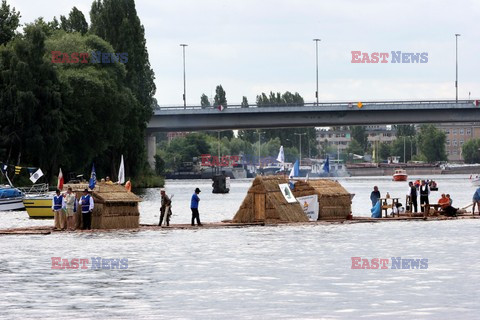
(71,204)
(58,203)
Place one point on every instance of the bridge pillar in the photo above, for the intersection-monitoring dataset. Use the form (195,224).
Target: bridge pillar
(151,143)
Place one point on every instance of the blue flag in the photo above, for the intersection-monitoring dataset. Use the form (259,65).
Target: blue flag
(295,172)
(93,178)
(326,165)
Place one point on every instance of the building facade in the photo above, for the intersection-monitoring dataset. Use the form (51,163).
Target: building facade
(457,134)
(340,137)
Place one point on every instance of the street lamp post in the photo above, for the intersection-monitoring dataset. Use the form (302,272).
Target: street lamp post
(300,138)
(259,148)
(184,79)
(456,66)
(316,61)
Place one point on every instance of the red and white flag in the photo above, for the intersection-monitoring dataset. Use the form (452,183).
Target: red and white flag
(220,108)
(475,103)
(60,180)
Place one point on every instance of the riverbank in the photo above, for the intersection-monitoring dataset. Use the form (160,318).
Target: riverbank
(357,170)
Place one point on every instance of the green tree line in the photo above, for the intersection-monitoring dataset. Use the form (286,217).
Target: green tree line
(71,115)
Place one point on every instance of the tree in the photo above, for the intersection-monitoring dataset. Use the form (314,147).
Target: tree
(100,97)
(409,145)
(244,102)
(405,130)
(471,151)
(159,165)
(248,135)
(204,102)
(76,22)
(431,143)
(358,134)
(220,97)
(9,22)
(31,108)
(117,22)
(355,148)
(384,151)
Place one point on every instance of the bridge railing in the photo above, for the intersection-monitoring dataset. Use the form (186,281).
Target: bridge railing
(321,104)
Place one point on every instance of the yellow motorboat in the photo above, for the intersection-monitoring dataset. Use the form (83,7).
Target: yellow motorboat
(38,201)
(39,207)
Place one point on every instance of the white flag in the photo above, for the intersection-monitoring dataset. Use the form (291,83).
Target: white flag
(37,175)
(281,155)
(121,172)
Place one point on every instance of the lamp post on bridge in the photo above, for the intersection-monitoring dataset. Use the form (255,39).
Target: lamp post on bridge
(300,138)
(259,148)
(316,61)
(184,81)
(456,67)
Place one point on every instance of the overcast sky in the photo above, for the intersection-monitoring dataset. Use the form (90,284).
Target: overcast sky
(251,46)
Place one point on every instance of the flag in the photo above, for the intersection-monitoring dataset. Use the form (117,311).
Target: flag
(295,170)
(281,155)
(36,175)
(17,169)
(60,180)
(121,172)
(220,108)
(326,165)
(93,178)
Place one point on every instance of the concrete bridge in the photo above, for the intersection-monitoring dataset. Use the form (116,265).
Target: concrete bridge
(196,118)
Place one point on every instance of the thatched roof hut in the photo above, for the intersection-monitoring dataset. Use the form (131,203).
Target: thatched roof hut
(265,203)
(334,201)
(114,207)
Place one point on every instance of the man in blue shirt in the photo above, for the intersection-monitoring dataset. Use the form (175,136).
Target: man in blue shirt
(476,201)
(194,207)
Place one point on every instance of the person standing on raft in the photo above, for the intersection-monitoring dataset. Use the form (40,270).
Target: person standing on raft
(87,207)
(424,192)
(71,205)
(165,208)
(58,203)
(194,207)
(375,195)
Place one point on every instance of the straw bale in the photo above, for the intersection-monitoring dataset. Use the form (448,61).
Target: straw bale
(334,201)
(114,207)
(273,209)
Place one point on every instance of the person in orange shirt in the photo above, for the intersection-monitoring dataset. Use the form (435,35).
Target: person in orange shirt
(444,201)
(447,209)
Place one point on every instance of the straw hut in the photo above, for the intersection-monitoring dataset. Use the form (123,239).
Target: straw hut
(114,207)
(265,203)
(334,202)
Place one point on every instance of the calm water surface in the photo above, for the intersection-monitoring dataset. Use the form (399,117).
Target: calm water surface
(249,273)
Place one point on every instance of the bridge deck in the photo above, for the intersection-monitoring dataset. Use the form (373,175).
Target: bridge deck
(196,118)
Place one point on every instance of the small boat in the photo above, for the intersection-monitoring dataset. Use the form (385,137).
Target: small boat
(39,207)
(38,202)
(400,175)
(10,198)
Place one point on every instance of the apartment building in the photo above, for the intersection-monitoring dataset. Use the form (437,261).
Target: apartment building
(457,134)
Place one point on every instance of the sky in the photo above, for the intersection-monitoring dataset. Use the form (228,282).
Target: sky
(250,47)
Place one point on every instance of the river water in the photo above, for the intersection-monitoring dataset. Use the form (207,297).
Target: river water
(249,273)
